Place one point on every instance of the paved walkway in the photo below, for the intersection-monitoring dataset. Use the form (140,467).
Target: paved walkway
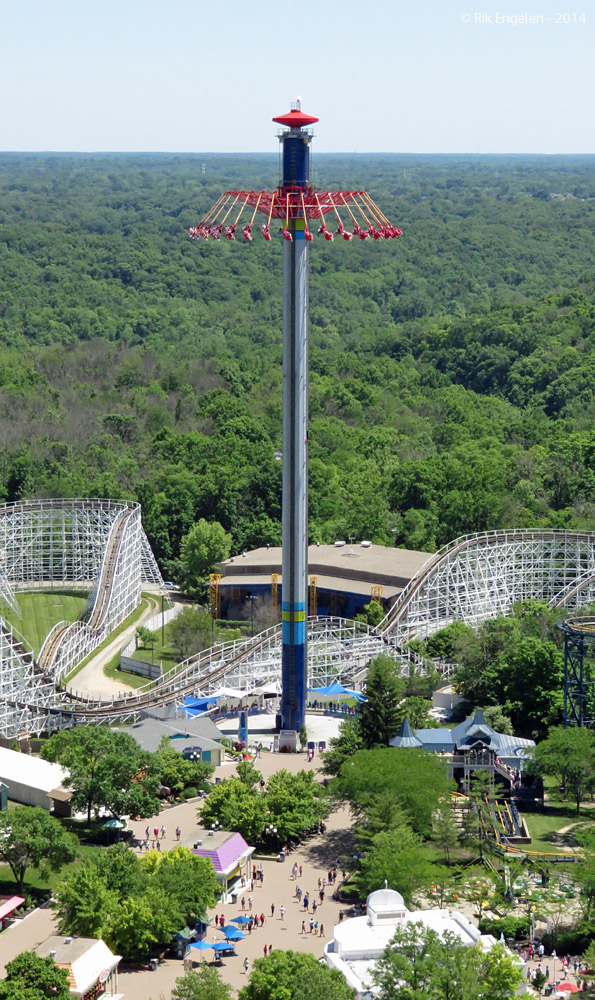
(315,856)
(91,680)
(25,935)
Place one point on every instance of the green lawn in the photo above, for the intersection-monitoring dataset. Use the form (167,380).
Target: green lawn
(41,611)
(543,826)
(37,887)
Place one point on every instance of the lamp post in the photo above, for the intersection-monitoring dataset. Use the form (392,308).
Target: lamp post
(554,959)
(162,619)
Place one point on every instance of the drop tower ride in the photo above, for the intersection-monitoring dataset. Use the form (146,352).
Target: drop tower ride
(295,203)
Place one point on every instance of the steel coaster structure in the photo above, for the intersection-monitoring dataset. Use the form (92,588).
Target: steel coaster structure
(482,575)
(97,545)
(579,677)
(339,649)
(470,579)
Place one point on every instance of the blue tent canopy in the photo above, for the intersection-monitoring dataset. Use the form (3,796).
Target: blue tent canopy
(196,706)
(243,919)
(232,933)
(336,690)
(220,946)
(200,945)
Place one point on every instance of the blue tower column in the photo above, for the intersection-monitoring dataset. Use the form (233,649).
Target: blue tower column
(295,444)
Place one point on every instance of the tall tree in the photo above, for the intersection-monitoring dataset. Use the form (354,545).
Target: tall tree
(414,780)
(421,965)
(290,975)
(379,717)
(206,544)
(203,984)
(84,902)
(29,977)
(31,838)
(106,769)
(569,755)
(347,742)
(191,631)
(396,857)
(187,878)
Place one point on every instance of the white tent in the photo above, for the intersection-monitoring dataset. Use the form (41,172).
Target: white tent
(269,689)
(231,693)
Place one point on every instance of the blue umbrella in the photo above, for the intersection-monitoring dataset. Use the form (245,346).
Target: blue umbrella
(232,933)
(201,945)
(241,920)
(219,946)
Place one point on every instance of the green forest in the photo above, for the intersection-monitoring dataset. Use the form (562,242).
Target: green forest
(452,373)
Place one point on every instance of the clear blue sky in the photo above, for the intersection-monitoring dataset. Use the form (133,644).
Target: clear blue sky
(385,75)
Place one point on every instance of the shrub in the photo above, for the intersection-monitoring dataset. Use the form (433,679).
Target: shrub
(573,942)
(189,793)
(510,927)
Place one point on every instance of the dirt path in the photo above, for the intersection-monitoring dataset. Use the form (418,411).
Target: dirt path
(91,681)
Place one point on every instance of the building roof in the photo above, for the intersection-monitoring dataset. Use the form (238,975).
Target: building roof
(175,715)
(405,737)
(34,772)
(348,568)
(225,850)
(86,959)
(474,729)
(8,904)
(182,733)
(360,941)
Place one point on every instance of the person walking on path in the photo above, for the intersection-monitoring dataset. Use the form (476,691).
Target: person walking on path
(250,903)
(246,966)
(272,909)
(322,930)
(262,919)
(163,833)
(311,924)
(301,870)
(265,949)
(178,833)
(303,926)
(243,902)
(282,912)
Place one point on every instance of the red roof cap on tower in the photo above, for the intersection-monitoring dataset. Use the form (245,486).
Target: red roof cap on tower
(295,118)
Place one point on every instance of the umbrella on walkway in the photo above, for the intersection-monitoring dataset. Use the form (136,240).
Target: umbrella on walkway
(232,933)
(241,920)
(200,945)
(567,988)
(220,946)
